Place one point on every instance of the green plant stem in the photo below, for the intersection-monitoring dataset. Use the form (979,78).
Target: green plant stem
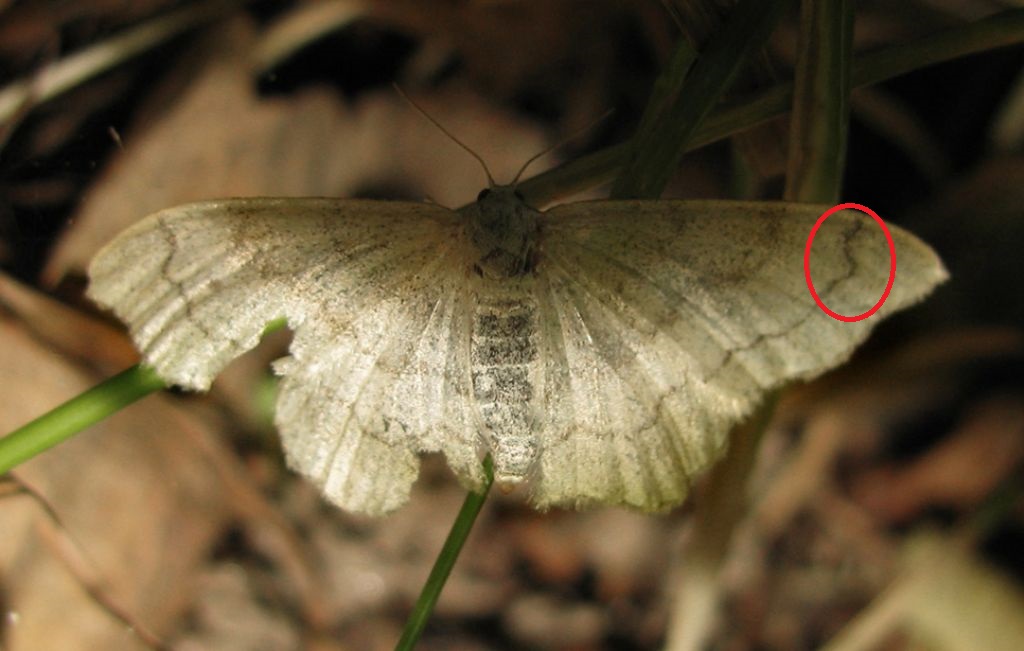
(445,561)
(76,414)
(666,88)
(1000,30)
(721,507)
(656,150)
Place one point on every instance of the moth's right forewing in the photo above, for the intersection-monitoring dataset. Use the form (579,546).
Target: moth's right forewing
(370,289)
(196,284)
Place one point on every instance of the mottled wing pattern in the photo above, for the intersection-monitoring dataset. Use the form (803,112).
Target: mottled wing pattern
(643,332)
(665,321)
(376,295)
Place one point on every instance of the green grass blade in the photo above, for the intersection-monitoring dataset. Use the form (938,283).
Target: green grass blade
(820,117)
(76,414)
(445,562)
(1000,30)
(657,149)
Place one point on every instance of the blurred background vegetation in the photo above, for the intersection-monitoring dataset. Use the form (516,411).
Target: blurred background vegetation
(885,508)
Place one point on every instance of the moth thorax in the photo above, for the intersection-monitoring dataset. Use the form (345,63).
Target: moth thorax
(504,230)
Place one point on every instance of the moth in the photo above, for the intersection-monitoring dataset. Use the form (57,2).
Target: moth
(599,351)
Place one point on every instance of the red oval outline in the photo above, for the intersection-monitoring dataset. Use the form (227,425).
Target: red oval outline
(807,261)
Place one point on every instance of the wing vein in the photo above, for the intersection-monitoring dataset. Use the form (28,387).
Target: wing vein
(637,376)
(388,340)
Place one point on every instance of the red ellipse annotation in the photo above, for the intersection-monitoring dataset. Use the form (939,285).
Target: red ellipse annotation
(892,261)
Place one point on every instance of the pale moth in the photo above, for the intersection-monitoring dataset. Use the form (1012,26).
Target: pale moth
(600,350)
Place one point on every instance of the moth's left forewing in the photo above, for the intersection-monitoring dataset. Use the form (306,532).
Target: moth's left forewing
(726,278)
(601,443)
(850,264)
(699,307)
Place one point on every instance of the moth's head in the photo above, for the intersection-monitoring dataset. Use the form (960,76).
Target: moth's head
(496,197)
(504,230)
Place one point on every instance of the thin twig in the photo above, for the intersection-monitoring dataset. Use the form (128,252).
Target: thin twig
(50,81)
(57,537)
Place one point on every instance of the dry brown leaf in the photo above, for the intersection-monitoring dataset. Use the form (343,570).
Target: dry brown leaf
(555,43)
(541,621)
(215,139)
(957,473)
(218,138)
(136,494)
(945,596)
(67,330)
(230,617)
(848,413)
(561,549)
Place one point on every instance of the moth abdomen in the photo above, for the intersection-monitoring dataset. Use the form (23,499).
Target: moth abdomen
(504,363)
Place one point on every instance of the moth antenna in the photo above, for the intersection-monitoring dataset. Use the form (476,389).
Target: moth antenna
(572,136)
(490,179)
